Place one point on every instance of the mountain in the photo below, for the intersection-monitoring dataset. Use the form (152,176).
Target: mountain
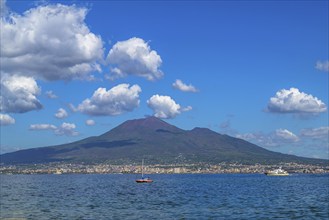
(159,143)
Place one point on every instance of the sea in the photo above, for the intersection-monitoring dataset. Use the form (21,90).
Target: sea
(172,196)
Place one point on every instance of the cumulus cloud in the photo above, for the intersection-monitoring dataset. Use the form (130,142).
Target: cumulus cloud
(67,129)
(6,120)
(165,106)
(18,94)
(180,85)
(115,101)
(134,57)
(90,122)
(50,42)
(294,101)
(322,66)
(274,139)
(61,113)
(321,132)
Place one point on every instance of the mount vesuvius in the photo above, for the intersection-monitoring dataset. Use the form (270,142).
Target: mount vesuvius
(158,142)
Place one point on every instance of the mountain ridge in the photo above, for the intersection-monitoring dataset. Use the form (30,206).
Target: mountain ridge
(157,141)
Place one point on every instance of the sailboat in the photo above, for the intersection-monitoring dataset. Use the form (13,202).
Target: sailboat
(144,179)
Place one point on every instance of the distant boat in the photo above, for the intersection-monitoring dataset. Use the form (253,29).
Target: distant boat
(144,179)
(277,172)
(58,171)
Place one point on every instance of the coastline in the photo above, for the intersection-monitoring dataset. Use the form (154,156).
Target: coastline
(104,168)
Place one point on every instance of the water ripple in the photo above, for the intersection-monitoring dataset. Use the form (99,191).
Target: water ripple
(168,197)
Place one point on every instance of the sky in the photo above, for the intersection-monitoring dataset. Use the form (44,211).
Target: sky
(256,70)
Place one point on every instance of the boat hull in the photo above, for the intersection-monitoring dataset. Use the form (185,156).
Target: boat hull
(276,174)
(144,181)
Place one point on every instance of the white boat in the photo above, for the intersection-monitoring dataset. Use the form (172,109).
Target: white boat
(58,171)
(277,172)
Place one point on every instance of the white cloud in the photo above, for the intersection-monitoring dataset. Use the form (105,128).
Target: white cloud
(322,66)
(285,136)
(6,119)
(90,122)
(134,57)
(50,94)
(67,129)
(117,100)
(186,109)
(274,139)
(18,94)
(42,127)
(61,113)
(3,8)
(321,132)
(165,106)
(50,42)
(294,101)
(308,140)
(180,85)
(258,138)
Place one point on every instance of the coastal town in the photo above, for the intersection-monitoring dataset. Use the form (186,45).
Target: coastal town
(104,168)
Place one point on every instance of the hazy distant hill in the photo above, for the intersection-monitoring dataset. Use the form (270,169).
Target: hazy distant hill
(156,141)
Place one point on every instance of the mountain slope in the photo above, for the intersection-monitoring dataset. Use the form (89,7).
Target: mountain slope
(158,142)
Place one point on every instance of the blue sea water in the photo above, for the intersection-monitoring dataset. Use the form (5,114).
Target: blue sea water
(202,196)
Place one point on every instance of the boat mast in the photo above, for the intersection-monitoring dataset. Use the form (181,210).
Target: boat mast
(142,168)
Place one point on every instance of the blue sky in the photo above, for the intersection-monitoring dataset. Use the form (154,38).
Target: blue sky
(256,70)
